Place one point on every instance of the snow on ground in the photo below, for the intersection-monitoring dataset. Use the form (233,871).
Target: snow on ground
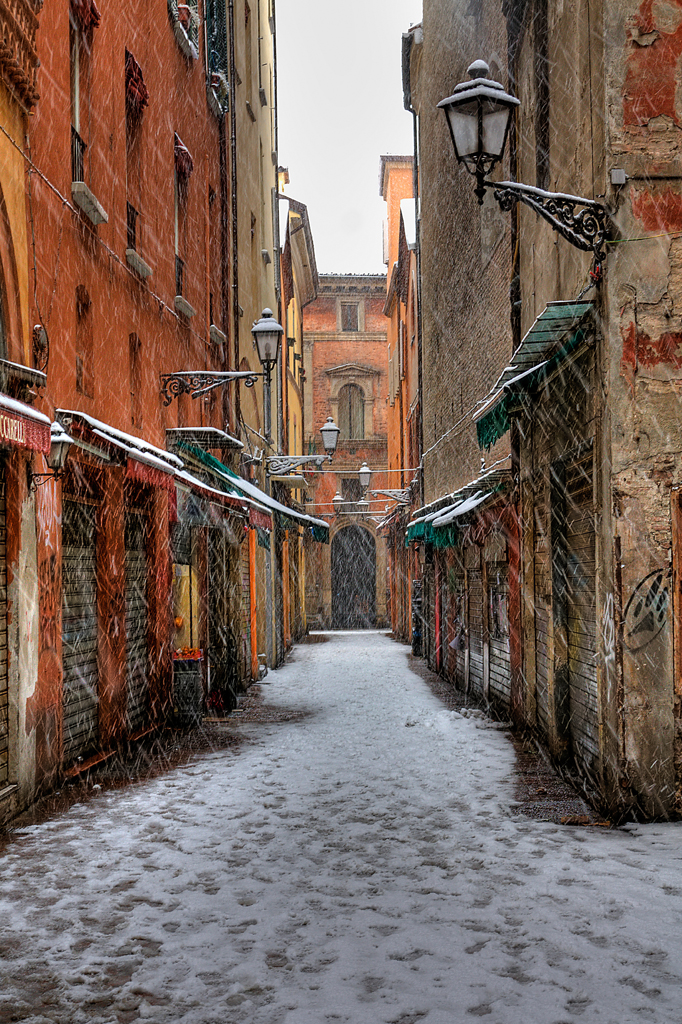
(364,864)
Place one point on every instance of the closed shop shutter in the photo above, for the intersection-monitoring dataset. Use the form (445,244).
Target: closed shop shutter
(543,590)
(582,619)
(4,694)
(221,650)
(246,607)
(136,621)
(476,631)
(79,630)
(500,672)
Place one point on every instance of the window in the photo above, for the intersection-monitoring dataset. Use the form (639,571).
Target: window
(349,316)
(84,343)
(351,489)
(135,370)
(137,98)
(184,165)
(351,412)
(186,21)
(216,56)
(83,20)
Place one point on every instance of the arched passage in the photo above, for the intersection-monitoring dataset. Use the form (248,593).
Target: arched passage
(353,579)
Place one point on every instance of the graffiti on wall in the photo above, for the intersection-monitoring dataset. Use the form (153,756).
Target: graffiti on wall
(646,611)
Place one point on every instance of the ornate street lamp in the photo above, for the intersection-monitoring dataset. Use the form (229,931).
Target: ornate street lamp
(330,436)
(60,445)
(478,115)
(364,476)
(285,463)
(337,502)
(267,334)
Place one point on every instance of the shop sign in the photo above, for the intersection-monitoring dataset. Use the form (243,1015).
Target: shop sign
(23,432)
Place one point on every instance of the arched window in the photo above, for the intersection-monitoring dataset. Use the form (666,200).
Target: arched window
(351,412)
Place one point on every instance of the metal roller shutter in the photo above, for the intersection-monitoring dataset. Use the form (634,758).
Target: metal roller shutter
(79,630)
(476,631)
(582,618)
(220,641)
(542,568)
(4,694)
(246,607)
(500,671)
(137,681)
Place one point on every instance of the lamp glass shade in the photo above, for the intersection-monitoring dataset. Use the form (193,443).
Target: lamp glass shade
(364,475)
(464,129)
(494,134)
(330,436)
(266,335)
(60,444)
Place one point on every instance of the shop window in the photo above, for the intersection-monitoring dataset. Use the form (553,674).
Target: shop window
(351,412)
(84,343)
(349,316)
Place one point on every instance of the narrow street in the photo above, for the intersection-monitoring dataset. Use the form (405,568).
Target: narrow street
(362,860)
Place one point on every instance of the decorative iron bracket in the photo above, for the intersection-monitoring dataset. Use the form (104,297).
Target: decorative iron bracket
(402,497)
(199,382)
(278,464)
(582,222)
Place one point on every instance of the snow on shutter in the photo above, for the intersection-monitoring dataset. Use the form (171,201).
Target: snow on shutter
(476,631)
(136,575)
(79,630)
(582,619)
(4,693)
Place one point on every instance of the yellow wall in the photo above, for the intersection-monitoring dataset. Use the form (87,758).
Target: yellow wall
(13,242)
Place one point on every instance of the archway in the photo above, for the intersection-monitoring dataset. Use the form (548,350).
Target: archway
(353,579)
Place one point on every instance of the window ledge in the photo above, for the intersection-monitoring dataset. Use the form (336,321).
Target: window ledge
(183,307)
(87,202)
(184,42)
(216,335)
(136,263)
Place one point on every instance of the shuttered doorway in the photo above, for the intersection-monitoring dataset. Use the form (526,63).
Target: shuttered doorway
(498,618)
(4,692)
(137,661)
(582,618)
(79,630)
(476,631)
(542,571)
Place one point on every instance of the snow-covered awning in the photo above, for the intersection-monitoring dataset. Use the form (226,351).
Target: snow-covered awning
(435,524)
(23,427)
(145,462)
(557,332)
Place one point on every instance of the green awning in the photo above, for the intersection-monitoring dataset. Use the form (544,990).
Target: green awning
(556,333)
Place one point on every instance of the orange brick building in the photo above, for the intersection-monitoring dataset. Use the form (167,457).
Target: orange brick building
(345,361)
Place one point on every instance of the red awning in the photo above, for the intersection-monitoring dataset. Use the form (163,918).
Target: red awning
(258,518)
(137,95)
(23,427)
(86,14)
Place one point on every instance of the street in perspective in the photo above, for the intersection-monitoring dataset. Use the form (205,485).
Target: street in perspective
(361,857)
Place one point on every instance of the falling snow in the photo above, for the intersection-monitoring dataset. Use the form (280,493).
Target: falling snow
(362,859)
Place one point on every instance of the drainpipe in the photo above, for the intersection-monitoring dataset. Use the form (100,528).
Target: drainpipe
(235,208)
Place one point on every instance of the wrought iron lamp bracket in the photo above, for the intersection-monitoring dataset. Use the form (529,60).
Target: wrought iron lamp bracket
(200,382)
(401,496)
(278,464)
(582,222)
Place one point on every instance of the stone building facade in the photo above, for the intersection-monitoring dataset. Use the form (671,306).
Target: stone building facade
(344,342)
(568,552)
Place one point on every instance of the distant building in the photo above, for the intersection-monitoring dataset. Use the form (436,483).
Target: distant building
(345,360)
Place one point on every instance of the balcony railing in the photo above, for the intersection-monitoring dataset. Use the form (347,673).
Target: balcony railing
(78,148)
(131,224)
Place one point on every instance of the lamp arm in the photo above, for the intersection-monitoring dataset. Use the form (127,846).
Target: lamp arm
(582,222)
(284,464)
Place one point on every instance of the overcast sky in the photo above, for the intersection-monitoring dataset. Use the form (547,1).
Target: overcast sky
(340,108)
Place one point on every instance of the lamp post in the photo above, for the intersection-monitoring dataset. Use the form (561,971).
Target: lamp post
(60,445)
(478,115)
(267,334)
(285,463)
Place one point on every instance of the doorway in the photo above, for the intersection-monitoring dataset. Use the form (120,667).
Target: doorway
(353,579)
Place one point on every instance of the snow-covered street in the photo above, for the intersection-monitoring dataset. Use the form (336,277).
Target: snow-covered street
(365,864)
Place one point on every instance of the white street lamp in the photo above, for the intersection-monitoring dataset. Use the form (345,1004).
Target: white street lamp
(267,334)
(330,436)
(364,476)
